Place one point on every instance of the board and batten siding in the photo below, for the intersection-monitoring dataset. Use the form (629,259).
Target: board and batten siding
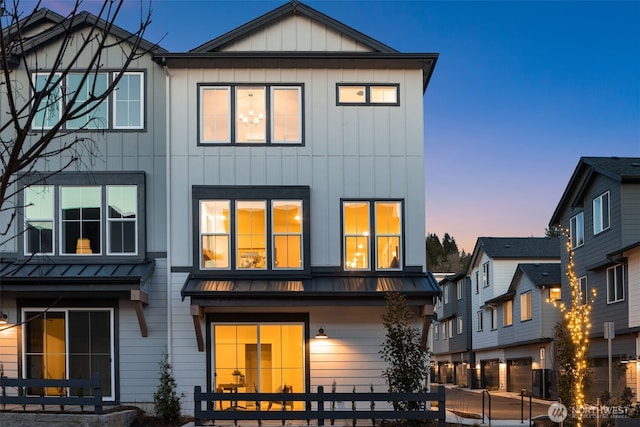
(296,33)
(633,274)
(374,152)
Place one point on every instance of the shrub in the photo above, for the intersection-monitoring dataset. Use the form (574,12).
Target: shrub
(167,403)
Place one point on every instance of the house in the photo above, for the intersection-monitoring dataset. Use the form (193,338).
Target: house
(508,291)
(296,203)
(451,334)
(600,207)
(83,284)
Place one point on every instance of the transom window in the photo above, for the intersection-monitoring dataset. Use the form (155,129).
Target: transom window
(367,94)
(69,343)
(251,114)
(576,230)
(601,213)
(82,220)
(246,234)
(123,109)
(615,283)
(386,218)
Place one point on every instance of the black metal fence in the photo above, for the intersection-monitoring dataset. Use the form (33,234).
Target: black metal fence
(319,407)
(29,391)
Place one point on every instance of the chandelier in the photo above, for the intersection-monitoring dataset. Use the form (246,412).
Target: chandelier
(250,118)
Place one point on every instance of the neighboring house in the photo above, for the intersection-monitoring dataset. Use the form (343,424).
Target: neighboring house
(452,334)
(600,208)
(296,156)
(526,322)
(83,283)
(493,271)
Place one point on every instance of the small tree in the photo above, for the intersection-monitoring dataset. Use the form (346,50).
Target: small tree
(403,352)
(167,402)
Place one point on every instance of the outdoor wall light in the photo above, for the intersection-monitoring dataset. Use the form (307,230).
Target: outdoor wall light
(321,334)
(3,318)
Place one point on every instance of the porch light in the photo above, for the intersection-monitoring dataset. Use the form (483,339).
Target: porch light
(3,318)
(321,334)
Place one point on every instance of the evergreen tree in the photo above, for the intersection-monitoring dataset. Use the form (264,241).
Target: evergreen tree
(167,402)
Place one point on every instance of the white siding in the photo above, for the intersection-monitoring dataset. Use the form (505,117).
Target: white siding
(633,263)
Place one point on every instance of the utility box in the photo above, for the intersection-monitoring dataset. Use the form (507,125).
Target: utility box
(539,388)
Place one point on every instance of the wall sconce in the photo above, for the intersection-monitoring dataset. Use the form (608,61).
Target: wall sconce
(321,335)
(3,318)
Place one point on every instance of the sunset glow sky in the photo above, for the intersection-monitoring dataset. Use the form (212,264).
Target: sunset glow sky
(520,92)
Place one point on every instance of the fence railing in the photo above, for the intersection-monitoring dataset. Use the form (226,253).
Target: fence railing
(225,406)
(30,391)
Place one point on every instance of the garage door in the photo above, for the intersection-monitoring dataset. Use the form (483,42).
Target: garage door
(519,374)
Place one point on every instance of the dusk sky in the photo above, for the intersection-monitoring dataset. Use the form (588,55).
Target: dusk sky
(520,92)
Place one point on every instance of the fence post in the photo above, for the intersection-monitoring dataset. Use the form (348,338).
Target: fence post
(320,406)
(197,404)
(97,393)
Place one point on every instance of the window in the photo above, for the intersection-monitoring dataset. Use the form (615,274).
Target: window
(485,274)
(460,325)
(258,356)
(245,114)
(577,230)
(494,318)
(368,94)
(615,283)
(128,102)
(357,217)
(64,218)
(444,330)
(239,232)
(450,328)
(69,343)
(601,213)
(436,331)
(507,313)
(123,109)
(525,306)
(438,302)
(477,277)
(584,291)
(445,289)
(480,321)
(555,294)
(459,290)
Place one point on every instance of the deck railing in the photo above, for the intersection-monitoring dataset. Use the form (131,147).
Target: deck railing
(30,391)
(226,406)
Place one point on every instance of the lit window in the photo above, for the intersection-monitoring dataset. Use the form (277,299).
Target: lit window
(239,114)
(525,306)
(577,230)
(80,214)
(357,220)
(507,313)
(555,294)
(494,318)
(367,94)
(601,213)
(615,283)
(451,328)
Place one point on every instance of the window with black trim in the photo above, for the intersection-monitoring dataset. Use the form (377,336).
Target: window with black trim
(372,234)
(367,94)
(601,213)
(123,109)
(65,217)
(576,230)
(615,283)
(250,114)
(251,228)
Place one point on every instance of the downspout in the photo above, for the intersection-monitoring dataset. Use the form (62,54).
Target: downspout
(168,196)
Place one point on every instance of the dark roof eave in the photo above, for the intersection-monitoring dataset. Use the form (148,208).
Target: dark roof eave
(164,57)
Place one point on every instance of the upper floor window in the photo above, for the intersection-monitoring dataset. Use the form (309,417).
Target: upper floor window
(459,289)
(386,218)
(460,325)
(494,318)
(367,94)
(451,328)
(576,230)
(601,213)
(485,274)
(555,294)
(583,296)
(70,219)
(615,283)
(445,289)
(507,313)
(480,318)
(477,277)
(243,233)
(436,331)
(250,114)
(525,306)
(444,330)
(123,109)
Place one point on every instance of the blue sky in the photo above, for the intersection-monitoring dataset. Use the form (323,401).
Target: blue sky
(521,90)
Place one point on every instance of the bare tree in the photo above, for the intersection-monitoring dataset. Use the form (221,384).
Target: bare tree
(42,116)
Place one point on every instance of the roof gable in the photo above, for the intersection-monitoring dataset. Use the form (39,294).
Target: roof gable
(618,169)
(516,248)
(294,26)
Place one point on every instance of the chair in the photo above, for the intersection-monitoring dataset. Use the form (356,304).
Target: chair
(284,389)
